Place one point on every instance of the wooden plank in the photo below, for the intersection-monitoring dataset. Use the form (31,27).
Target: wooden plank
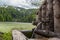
(17,35)
(46,33)
(46,39)
(34,39)
(40,39)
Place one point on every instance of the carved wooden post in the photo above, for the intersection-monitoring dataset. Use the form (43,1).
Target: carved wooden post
(50,16)
(39,15)
(44,15)
(56,8)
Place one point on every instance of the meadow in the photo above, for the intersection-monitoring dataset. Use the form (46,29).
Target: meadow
(8,26)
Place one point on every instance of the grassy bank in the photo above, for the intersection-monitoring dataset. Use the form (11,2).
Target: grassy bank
(7,27)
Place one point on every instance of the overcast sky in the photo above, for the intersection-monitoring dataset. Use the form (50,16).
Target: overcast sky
(19,3)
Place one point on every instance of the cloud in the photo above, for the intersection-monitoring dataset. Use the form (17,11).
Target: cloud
(19,3)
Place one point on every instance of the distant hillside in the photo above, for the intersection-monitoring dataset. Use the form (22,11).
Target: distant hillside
(17,14)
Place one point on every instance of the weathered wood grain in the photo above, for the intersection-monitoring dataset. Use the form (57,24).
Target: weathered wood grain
(53,39)
(50,15)
(56,8)
(17,35)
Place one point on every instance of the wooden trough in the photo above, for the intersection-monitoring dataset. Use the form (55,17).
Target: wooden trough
(18,35)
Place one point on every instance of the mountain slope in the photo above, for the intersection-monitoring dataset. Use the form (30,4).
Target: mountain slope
(17,14)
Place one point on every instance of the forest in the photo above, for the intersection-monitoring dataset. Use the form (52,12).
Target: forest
(16,14)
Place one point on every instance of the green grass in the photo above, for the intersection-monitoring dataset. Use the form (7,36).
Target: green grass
(8,26)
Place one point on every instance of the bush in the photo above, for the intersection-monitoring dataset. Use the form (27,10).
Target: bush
(7,36)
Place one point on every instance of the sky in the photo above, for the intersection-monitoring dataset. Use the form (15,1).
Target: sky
(19,3)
